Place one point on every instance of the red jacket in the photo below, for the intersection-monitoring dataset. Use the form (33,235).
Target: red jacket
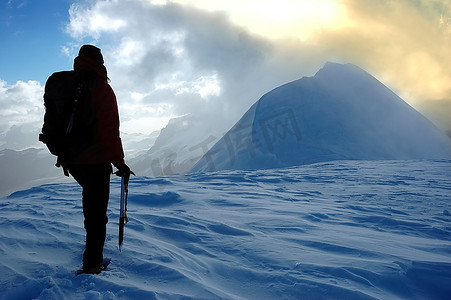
(107,146)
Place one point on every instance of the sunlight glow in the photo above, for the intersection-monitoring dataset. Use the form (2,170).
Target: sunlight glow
(278,18)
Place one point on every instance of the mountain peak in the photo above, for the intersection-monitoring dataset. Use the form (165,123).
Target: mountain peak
(334,66)
(341,113)
(332,69)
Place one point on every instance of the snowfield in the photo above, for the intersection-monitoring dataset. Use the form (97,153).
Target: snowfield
(333,230)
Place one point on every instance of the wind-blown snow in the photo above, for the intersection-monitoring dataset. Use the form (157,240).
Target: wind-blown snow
(341,113)
(337,230)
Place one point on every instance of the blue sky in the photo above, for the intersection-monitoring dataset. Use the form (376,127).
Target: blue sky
(32,34)
(216,58)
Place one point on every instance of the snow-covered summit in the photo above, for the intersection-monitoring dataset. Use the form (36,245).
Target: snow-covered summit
(341,113)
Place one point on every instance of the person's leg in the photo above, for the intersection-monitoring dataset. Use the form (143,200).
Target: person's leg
(95,181)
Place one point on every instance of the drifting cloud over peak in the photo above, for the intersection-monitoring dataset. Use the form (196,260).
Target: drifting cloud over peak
(180,53)
(175,57)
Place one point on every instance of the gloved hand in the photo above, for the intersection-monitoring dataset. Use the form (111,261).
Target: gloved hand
(123,171)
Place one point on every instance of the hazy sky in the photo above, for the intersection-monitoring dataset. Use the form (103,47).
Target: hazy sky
(216,58)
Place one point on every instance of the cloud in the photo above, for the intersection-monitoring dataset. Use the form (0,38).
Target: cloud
(20,103)
(276,19)
(21,113)
(88,22)
(164,51)
(178,57)
(404,43)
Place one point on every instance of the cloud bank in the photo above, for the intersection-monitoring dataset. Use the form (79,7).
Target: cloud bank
(170,59)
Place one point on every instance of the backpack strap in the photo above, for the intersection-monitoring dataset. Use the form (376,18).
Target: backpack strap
(78,94)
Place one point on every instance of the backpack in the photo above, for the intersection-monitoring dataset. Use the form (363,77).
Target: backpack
(69,118)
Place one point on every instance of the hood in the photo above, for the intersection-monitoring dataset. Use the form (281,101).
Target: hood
(84,63)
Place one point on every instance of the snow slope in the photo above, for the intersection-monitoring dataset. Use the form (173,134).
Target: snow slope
(341,113)
(336,230)
(178,147)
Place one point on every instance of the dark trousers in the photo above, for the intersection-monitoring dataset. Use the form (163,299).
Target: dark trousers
(95,181)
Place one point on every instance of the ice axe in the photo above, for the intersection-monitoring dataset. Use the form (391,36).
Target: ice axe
(125,177)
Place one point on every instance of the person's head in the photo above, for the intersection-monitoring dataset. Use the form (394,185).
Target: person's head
(91,52)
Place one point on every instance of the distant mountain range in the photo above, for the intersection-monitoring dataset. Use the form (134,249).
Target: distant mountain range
(27,168)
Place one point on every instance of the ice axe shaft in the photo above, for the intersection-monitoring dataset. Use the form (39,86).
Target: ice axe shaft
(123,209)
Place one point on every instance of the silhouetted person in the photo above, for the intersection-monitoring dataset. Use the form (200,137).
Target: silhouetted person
(92,168)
